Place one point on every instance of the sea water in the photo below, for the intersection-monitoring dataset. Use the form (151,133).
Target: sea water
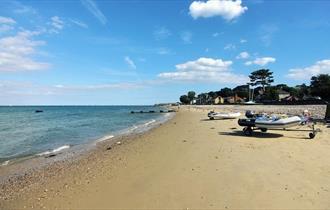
(25,132)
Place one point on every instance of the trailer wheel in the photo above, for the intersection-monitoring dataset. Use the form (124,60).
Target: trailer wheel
(263,130)
(247,131)
(211,118)
(311,135)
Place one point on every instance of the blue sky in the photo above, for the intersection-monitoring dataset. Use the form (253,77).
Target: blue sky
(146,52)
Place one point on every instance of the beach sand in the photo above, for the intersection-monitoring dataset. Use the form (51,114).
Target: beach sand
(190,163)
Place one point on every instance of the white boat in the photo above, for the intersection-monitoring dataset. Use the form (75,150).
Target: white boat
(278,123)
(219,115)
(250,103)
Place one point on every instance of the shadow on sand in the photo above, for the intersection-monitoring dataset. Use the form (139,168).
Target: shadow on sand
(215,119)
(255,134)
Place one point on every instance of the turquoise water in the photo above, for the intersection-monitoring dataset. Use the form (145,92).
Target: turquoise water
(23,132)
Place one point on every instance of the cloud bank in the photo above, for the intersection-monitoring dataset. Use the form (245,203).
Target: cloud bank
(204,70)
(320,67)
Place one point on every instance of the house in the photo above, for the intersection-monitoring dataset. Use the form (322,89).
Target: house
(283,94)
(234,99)
(218,100)
(290,98)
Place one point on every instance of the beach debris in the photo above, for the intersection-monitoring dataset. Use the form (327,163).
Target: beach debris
(109,148)
(184,141)
(118,142)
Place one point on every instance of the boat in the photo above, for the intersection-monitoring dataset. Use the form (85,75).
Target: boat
(219,115)
(250,103)
(277,123)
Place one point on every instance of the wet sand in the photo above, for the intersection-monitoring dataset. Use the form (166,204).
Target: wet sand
(190,162)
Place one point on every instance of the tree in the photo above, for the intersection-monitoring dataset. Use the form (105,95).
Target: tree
(191,96)
(262,77)
(225,92)
(320,86)
(184,99)
(212,94)
(271,93)
(302,90)
(242,91)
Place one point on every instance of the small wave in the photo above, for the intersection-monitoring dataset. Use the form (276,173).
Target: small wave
(105,138)
(54,150)
(5,163)
(149,122)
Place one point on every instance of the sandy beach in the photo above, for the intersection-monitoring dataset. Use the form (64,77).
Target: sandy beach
(188,162)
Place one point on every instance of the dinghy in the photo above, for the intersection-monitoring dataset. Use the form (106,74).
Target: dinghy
(219,115)
(277,123)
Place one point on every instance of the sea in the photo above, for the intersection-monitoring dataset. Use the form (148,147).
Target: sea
(27,133)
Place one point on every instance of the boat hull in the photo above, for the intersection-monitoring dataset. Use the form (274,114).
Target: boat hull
(278,124)
(219,116)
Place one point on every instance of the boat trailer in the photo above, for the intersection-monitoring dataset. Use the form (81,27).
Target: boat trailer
(250,126)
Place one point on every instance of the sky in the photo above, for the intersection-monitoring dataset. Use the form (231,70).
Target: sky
(131,52)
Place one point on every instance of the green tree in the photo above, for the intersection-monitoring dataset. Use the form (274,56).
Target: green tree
(191,96)
(263,77)
(242,91)
(212,94)
(226,92)
(184,99)
(271,93)
(302,90)
(320,86)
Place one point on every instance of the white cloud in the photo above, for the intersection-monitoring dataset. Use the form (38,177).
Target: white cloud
(261,61)
(79,23)
(7,20)
(216,34)
(6,24)
(243,41)
(204,70)
(130,62)
(4,28)
(320,67)
(57,24)
(243,55)
(92,7)
(161,33)
(17,52)
(228,9)
(186,37)
(230,47)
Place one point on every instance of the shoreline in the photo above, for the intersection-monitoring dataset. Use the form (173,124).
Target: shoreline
(190,162)
(20,170)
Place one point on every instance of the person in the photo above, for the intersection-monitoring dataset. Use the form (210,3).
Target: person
(306,116)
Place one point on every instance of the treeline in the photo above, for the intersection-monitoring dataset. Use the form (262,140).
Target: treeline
(259,89)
